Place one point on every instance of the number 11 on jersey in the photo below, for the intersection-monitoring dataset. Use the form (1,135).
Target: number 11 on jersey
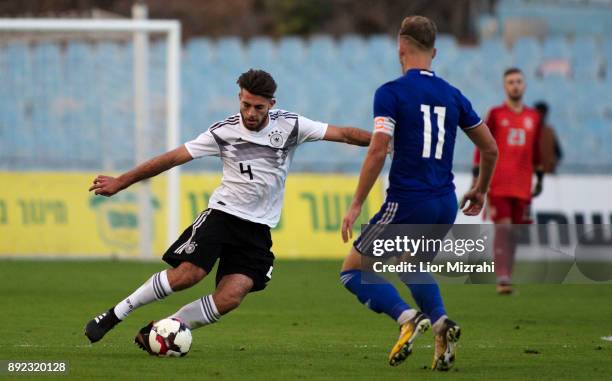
(441,113)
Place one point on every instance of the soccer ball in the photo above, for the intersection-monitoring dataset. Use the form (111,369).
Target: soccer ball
(170,338)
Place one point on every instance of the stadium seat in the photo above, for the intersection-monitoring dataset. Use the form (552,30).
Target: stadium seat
(555,47)
(584,48)
(199,52)
(261,54)
(48,109)
(47,61)
(380,46)
(607,50)
(291,52)
(494,52)
(527,54)
(230,54)
(353,51)
(586,58)
(322,53)
(446,42)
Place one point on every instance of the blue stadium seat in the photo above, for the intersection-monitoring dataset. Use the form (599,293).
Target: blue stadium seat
(353,51)
(47,64)
(230,55)
(555,47)
(585,70)
(292,52)
(157,67)
(494,51)
(561,17)
(322,53)
(587,62)
(446,42)
(584,49)
(469,64)
(291,93)
(606,49)
(383,62)
(80,71)
(495,58)
(261,54)
(48,106)
(446,57)
(380,46)
(199,52)
(527,54)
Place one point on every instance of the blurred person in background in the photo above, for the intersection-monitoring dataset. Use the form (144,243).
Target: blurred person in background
(550,146)
(516,129)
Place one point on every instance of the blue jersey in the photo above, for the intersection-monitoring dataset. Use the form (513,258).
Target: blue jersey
(421,112)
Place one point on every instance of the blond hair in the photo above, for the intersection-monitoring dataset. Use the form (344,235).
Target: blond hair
(419,30)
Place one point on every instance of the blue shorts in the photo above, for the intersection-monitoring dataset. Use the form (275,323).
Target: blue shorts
(436,211)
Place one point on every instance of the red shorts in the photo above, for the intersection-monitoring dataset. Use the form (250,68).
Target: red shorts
(500,207)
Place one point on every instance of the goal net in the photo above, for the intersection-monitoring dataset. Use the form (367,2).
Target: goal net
(81,98)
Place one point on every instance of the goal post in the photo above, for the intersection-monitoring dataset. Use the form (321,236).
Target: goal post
(138,28)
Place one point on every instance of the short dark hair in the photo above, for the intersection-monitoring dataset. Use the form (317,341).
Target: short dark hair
(542,107)
(512,70)
(257,82)
(419,30)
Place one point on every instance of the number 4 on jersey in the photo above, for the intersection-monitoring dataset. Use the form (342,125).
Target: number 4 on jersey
(247,170)
(441,113)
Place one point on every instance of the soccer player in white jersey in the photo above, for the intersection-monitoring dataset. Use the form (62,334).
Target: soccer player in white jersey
(256,147)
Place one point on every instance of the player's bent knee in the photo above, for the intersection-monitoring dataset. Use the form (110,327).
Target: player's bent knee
(227,301)
(185,275)
(195,276)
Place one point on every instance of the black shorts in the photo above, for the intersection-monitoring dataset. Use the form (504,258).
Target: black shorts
(242,247)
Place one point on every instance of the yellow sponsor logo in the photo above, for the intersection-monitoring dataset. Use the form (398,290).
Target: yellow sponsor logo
(117,219)
(47,214)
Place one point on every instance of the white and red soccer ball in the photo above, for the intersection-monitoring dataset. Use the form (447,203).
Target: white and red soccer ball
(170,338)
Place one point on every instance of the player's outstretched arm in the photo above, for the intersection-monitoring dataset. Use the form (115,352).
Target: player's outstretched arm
(484,141)
(348,135)
(370,170)
(108,186)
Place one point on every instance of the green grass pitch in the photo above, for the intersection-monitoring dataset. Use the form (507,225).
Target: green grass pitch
(303,326)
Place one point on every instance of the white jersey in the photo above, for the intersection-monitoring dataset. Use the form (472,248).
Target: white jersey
(255,164)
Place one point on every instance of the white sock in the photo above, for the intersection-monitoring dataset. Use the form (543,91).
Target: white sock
(198,313)
(156,288)
(406,315)
(439,324)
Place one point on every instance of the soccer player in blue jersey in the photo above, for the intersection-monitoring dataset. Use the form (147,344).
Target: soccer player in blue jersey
(419,113)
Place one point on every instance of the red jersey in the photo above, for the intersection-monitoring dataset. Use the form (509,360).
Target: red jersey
(517,136)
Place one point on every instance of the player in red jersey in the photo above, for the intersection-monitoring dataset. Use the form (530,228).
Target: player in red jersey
(516,129)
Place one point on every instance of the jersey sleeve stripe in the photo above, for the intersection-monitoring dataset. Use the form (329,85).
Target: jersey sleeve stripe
(216,126)
(284,114)
(473,126)
(230,120)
